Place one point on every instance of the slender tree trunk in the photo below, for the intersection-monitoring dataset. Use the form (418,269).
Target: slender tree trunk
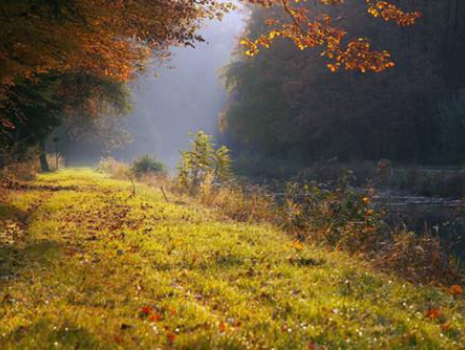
(43,157)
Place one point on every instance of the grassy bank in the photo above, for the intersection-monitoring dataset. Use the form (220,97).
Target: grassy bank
(85,265)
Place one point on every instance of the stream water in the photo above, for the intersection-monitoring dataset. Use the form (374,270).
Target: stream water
(442,216)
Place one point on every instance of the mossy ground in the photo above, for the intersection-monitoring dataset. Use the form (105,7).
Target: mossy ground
(83,265)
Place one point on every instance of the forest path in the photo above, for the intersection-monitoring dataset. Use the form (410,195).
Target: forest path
(97,268)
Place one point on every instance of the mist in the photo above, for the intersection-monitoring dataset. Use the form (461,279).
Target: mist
(185,95)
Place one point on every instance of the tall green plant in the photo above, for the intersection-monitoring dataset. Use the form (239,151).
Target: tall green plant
(204,161)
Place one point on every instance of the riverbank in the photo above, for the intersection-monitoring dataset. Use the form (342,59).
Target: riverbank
(86,264)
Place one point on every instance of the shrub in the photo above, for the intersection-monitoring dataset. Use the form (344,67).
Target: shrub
(118,170)
(344,218)
(204,163)
(338,216)
(147,165)
(421,258)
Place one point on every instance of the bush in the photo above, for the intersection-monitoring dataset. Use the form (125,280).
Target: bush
(147,165)
(344,218)
(118,170)
(204,165)
(338,216)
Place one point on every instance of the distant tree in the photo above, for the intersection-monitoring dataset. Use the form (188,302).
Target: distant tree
(74,100)
(452,122)
(282,104)
(147,165)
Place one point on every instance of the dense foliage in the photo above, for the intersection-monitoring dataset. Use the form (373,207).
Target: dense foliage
(62,62)
(294,109)
(69,101)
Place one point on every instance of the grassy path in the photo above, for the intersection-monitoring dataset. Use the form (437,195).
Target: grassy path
(83,266)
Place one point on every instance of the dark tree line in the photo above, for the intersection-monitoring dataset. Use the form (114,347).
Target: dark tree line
(283,104)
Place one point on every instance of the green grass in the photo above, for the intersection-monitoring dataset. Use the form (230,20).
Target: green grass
(87,260)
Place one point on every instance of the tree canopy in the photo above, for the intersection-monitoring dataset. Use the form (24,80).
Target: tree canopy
(115,38)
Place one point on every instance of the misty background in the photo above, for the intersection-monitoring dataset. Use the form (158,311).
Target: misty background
(185,95)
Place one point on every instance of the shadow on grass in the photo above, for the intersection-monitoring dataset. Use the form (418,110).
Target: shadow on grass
(18,258)
(16,252)
(8,211)
(44,334)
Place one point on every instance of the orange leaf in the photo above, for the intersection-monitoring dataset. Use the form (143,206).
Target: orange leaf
(298,246)
(433,313)
(156,318)
(455,290)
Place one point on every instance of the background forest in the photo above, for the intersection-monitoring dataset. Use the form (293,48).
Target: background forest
(293,109)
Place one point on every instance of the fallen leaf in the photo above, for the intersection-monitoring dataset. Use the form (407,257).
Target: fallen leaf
(433,313)
(156,318)
(171,337)
(455,290)
(446,326)
(118,339)
(146,310)
(298,246)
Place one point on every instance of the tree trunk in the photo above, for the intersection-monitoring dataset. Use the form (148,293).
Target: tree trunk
(43,158)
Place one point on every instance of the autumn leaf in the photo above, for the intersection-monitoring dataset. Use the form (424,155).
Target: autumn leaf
(446,327)
(315,346)
(155,318)
(146,310)
(433,313)
(298,246)
(171,337)
(455,290)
